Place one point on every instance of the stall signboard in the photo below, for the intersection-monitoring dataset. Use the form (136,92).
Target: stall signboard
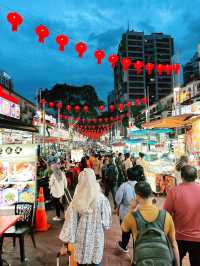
(17,174)
(77,155)
(9,108)
(187,92)
(49,118)
(188,109)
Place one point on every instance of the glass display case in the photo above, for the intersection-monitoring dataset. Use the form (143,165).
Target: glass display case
(17,174)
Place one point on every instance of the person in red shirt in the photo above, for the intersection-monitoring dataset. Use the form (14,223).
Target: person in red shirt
(183,202)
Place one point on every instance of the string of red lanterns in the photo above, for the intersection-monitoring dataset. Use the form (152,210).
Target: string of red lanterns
(85,108)
(15,19)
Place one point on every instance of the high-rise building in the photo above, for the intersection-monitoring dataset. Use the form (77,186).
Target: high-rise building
(5,80)
(191,70)
(156,48)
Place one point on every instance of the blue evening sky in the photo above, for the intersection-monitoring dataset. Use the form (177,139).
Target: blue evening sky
(100,23)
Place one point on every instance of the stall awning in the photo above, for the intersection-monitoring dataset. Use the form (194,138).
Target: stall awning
(16,124)
(168,122)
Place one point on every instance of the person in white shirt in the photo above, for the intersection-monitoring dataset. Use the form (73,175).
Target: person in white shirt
(140,161)
(127,163)
(57,185)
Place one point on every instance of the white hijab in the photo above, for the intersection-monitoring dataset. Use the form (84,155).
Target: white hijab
(87,192)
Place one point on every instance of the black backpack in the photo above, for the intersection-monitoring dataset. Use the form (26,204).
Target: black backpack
(152,246)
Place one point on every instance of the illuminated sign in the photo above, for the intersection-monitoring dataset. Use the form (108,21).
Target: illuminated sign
(9,108)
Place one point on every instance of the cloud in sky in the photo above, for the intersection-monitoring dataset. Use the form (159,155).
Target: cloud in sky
(100,24)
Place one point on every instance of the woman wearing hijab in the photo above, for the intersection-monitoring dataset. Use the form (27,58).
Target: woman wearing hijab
(86,218)
(57,185)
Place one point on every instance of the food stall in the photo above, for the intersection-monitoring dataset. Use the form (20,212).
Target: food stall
(18,156)
(17,174)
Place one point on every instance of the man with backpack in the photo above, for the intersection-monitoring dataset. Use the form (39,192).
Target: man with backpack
(153,231)
(111,177)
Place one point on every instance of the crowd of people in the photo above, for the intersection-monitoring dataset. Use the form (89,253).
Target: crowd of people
(160,236)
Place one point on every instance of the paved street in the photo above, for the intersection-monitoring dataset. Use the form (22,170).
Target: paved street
(48,245)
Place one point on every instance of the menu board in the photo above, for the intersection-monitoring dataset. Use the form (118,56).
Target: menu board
(17,173)
(9,108)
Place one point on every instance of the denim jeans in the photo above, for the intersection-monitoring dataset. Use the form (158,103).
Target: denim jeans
(111,187)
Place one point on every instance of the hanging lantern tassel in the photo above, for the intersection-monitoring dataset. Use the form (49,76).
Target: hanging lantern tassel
(129,104)
(168,69)
(77,108)
(80,48)
(113,59)
(101,108)
(149,68)
(62,41)
(144,101)
(137,102)
(42,33)
(15,19)
(138,65)
(126,63)
(120,107)
(99,55)
(59,105)
(85,109)
(51,104)
(111,108)
(176,68)
(160,69)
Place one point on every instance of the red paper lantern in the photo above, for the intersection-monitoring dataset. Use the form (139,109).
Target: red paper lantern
(120,107)
(122,116)
(113,59)
(99,55)
(89,120)
(129,104)
(62,40)
(95,120)
(77,108)
(83,120)
(68,108)
(138,65)
(112,108)
(100,120)
(85,109)
(101,108)
(160,69)
(144,100)
(149,68)
(117,118)
(128,114)
(137,102)
(126,63)
(176,68)
(15,19)
(51,104)
(66,117)
(42,33)
(111,119)
(81,48)
(78,119)
(106,119)
(168,69)
(59,105)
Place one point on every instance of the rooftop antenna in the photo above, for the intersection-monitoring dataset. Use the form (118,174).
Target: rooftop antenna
(128,26)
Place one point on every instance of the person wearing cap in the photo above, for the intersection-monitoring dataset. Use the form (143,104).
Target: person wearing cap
(57,185)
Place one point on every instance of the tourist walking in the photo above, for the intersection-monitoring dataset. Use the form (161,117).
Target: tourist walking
(119,164)
(88,215)
(183,202)
(124,196)
(150,228)
(111,177)
(57,185)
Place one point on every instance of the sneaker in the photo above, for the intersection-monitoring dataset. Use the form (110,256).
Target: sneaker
(125,250)
(56,218)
